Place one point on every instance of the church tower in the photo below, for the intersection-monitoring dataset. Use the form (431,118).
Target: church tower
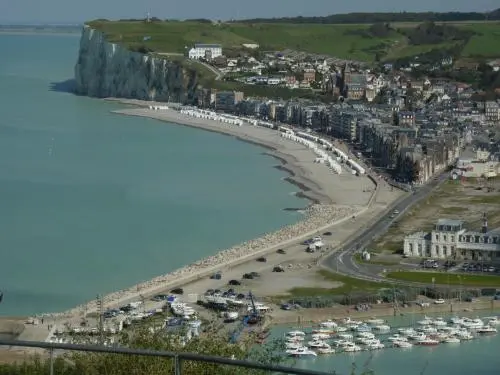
(484,228)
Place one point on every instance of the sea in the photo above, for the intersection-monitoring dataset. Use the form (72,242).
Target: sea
(92,202)
(477,357)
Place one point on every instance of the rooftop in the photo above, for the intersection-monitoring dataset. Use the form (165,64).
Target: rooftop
(207,46)
(450,222)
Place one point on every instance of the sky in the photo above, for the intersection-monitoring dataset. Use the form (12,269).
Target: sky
(78,11)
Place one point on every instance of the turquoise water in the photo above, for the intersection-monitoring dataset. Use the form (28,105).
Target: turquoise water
(92,202)
(479,356)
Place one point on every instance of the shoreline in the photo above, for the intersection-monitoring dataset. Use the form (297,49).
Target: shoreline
(320,214)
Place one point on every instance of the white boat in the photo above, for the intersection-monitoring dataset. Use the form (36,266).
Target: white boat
(345,336)
(326,351)
(396,337)
(427,329)
(492,320)
(375,322)
(366,335)
(320,336)
(300,352)
(363,328)
(295,334)
(487,330)
(427,342)
(472,323)
(407,331)
(464,335)
(441,336)
(375,346)
(323,331)
(417,336)
(328,324)
(402,344)
(295,339)
(293,345)
(452,340)
(363,341)
(316,344)
(439,322)
(425,322)
(382,328)
(341,343)
(456,320)
(348,320)
(231,316)
(341,329)
(351,347)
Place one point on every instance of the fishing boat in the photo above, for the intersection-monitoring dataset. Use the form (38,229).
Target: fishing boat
(301,352)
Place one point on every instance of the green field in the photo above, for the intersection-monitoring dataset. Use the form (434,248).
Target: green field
(343,41)
(446,278)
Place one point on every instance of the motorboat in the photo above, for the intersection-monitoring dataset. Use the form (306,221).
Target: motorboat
(396,337)
(456,320)
(472,323)
(464,335)
(348,320)
(363,341)
(295,339)
(406,331)
(366,335)
(316,344)
(417,336)
(320,336)
(341,329)
(375,345)
(293,345)
(451,340)
(231,316)
(402,344)
(427,342)
(425,322)
(441,336)
(341,343)
(492,320)
(326,351)
(301,352)
(345,336)
(363,328)
(439,322)
(382,328)
(487,330)
(323,331)
(375,322)
(427,329)
(328,324)
(351,347)
(295,334)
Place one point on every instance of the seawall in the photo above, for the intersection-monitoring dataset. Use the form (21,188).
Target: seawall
(107,69)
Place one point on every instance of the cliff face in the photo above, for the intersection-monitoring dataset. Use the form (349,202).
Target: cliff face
(105,69)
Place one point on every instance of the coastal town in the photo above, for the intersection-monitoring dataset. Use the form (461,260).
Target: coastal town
(398,242)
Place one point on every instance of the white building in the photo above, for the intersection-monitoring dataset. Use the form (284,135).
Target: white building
(450,239)
(205,51)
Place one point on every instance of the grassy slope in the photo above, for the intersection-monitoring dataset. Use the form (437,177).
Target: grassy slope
(333,40)
(446,278)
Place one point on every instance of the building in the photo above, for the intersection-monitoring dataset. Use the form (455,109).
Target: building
(492,111)
(227,100)
(406,118)
(309,75)
(450,239)
(205,51)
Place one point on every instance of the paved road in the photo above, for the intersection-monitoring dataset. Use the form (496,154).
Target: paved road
(343,262)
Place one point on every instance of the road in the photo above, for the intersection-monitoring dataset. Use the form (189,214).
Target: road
(343,262)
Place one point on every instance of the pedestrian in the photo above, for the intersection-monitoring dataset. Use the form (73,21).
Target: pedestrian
(42,321)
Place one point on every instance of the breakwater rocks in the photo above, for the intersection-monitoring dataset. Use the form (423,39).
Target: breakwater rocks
(315,218)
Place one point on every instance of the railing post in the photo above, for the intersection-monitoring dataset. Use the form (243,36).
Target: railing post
(51,353)
(177,365)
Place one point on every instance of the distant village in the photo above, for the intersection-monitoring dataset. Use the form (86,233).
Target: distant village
(412,128)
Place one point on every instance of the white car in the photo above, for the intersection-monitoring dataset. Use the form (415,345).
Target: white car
(439,301)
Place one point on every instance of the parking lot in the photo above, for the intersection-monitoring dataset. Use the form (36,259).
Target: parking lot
(454,266)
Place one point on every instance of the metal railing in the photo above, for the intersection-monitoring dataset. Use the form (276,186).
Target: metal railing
(177,358)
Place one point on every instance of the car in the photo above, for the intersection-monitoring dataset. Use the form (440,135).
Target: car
(281,251)
(395,212)
(159,297)
(423,304)
(234,282)
(248,276)
(261,259)
(216,276)
(255,274)
(177,291)
(327,234)
(278,269)
(439,301)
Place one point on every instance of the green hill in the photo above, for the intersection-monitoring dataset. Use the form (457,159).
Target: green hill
(364,42)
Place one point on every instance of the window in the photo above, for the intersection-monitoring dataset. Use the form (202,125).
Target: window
(437,237)
(452,239)
(444,249)
(444,237)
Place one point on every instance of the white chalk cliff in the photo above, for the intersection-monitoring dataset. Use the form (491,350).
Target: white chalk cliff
(107,69)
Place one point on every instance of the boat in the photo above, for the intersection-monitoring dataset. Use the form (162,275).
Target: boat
(295,339)
(375,345)
(363,328)
(366,335)
(300,352)
(487,330)
(348,320)
(472,323)
(425,322)
(341,329)
(375,322)
(464,335)
(439,322)
(402,344)
(440,336)
(456,320)
(293,345)
(328,324)
(451,340)
(295,334)
(492,320)
(397,337)
(323,331)
(427,329)
(345,336)
(382,328)
(316,344)
(417,336)
(427,342)
(326,351)
(320,336)
(406,331)
(351,347)
(341,343)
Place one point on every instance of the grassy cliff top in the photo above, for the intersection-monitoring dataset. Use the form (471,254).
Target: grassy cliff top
(350,41)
